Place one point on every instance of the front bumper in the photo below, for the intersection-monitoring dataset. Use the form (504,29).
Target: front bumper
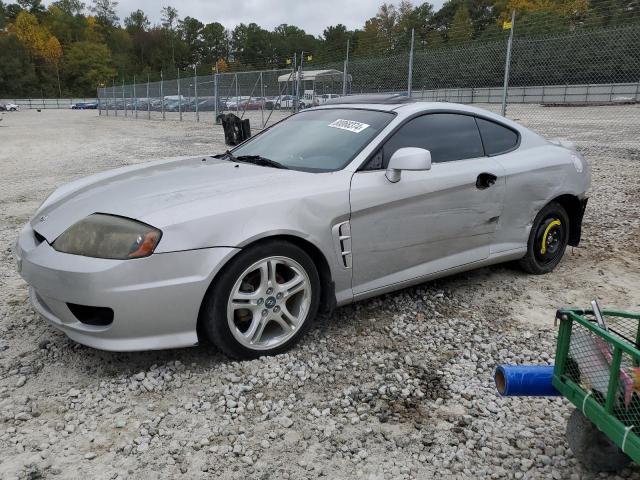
(155,300)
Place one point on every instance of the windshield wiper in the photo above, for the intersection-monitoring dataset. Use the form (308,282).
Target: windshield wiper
(226,155)
(258,160)
(254,159)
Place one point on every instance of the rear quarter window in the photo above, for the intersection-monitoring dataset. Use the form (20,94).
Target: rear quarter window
(497,138)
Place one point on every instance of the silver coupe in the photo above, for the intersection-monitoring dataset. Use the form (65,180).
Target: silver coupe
(330,206)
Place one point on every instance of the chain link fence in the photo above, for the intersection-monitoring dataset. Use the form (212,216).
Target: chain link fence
(590,78)
(539,81)
(50,103)
(202,98)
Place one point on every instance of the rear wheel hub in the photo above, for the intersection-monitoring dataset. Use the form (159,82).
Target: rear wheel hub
(549,239)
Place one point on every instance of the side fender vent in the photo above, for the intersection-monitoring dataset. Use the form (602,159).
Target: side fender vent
(342,238)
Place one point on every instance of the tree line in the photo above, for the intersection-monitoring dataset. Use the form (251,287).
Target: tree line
(70,48)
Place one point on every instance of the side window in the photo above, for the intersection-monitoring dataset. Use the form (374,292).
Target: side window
(496,138)
(448,136)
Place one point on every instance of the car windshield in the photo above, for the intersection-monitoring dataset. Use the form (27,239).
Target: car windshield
(317,140)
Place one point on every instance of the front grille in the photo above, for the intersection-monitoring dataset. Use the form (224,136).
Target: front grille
(97,316)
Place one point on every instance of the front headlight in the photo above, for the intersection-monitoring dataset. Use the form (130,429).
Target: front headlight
(109,236)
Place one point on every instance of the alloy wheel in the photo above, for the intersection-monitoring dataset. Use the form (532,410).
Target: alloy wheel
(269,303)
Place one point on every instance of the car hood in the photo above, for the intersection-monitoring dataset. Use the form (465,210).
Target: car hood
(140,191)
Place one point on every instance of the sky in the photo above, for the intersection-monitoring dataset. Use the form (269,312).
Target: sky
(311,15)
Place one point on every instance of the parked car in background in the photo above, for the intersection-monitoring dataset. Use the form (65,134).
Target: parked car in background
(172,103)
(326,97)
(156,104)
(284,102)
(142,103)
(256,103)
(236,103)
(84,106)
(336,204)
(268,103)
(10,107)
(308,100)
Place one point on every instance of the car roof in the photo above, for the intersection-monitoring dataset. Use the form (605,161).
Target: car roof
(407,107)
(377,99)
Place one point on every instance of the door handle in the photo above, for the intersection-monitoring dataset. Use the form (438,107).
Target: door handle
(485,180)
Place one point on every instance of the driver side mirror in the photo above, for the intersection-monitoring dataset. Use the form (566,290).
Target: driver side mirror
(407,158)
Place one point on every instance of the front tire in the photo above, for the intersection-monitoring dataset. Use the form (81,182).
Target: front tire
(547,241)
(263,301)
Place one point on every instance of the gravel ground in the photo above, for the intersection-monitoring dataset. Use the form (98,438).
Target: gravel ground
(395,387)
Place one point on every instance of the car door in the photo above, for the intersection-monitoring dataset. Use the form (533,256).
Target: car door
(431,220)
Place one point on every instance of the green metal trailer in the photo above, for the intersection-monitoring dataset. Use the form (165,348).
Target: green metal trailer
(597,368)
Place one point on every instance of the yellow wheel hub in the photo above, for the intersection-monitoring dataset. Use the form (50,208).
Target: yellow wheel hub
(554,223)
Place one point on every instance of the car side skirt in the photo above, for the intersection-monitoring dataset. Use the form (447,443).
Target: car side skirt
(504,256)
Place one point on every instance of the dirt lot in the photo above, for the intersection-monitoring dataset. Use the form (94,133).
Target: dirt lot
(395,387)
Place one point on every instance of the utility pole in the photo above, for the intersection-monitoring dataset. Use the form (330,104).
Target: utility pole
(507,67)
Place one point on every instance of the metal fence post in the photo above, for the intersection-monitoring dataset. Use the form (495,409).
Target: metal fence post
(507,66)
(195,91)
(345,75)
(179,97)
(237,97)
(263,101)
(148,100)
(216,98)
(410,79)
(162,94)
(299,84)
(135,98)
(99,103)
(124,100)
(293,79)
(115,107)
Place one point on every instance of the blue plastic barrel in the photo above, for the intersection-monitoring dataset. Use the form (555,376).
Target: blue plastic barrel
(525,381)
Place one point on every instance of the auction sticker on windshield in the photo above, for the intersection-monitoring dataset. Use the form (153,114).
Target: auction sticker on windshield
(350,125)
